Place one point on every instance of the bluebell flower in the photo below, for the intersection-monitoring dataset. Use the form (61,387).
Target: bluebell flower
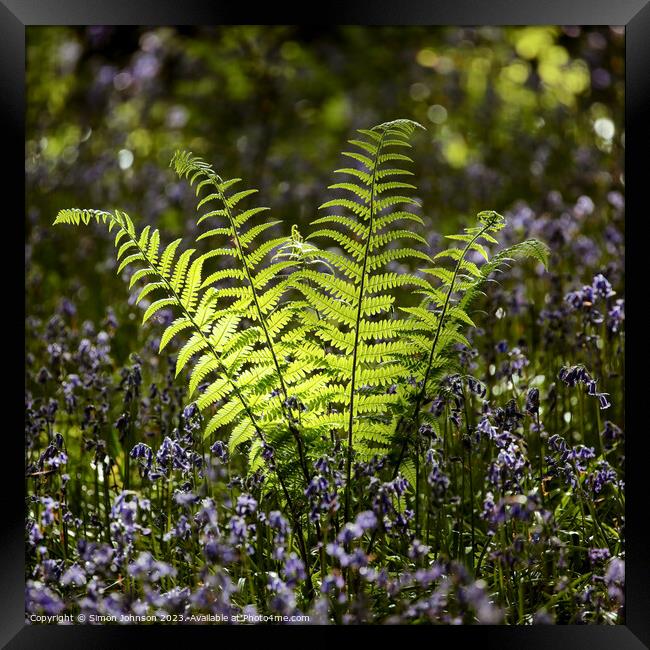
(402,520)
(616,316)
(437,407)
(615,579)
(181,530)
(50,507)
(477,387)
(438,481)
(349,533)
(97,559)
(335,550)
(515,363)
(220,451)
(356,559)
(489,511)
(543,617)
(532,401)
(317,485)
(581,455)
(332,583)
(144,453)
(55,351)
(574,375)
(611,434)
(34,535)
(74,575)
(602,476)
(598,555)
(400,485)
(601,287)
(246,505)
(146,568)
(50,570)
(366,520)
(485,429)
(124,525)
(427,431)
(278,522)
(268,453)
(294,570)
(603,401)
(40,599)
(417,550)
(239,528)
(322,465)
(192,418)
(53,456)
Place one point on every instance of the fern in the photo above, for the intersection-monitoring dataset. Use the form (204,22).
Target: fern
(362,224)
(290,346)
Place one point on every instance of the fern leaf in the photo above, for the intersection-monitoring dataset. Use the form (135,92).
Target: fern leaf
(172,330)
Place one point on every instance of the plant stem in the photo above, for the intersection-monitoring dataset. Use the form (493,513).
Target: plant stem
(355,349)
(418,402)
(269,341)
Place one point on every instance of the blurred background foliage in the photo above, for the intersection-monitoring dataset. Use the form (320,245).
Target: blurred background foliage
(518,119)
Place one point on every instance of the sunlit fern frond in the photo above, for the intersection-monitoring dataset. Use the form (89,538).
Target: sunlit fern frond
(174,281)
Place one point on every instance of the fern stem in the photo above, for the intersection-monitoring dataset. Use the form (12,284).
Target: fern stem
(294,516)
(417,492)
(241,398)
(269,341)
(470,501)
(355,349)
(222,368)
(418,402)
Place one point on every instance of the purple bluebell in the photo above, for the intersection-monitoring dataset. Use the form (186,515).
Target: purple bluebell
(74,576)
(598,555)
(532,401)
(246,505)
(611,434)
(602,476)
(294,570)
(615,579)
(616,316)
(50,508)
(332,583)
(146,568)
(40,599)
(418,550)
(220,451)
(366,520)
(144,453)
(601,287)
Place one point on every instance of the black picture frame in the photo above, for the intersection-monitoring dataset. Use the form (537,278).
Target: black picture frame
(15,15)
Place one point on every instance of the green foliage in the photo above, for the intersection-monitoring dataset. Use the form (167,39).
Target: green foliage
(293,347)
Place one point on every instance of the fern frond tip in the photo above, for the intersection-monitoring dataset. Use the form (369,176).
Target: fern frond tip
(401,122)
(75,216)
